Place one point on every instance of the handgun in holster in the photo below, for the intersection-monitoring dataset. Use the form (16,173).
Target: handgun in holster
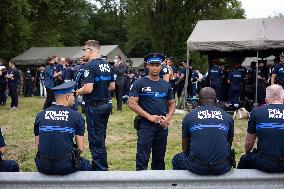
(136,122)
(76,157)
(232,158)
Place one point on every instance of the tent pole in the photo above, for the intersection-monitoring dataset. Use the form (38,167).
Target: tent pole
(186,79)
(256,81)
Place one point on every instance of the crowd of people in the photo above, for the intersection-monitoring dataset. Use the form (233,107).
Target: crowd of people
(207,131)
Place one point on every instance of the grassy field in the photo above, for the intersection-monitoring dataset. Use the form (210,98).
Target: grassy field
(121,136)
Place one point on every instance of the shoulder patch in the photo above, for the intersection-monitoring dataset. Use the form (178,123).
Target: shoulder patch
(86,73)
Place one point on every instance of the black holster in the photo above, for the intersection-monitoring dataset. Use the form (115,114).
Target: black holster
(76,157)
(232,158)
(136,123)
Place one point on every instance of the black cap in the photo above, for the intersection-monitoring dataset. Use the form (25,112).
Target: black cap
(64,88)
(154,58)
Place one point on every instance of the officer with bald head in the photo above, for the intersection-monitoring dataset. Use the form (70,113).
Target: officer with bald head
(266,123)
(207,135)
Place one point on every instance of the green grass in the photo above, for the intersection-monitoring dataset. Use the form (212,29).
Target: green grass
(121,136)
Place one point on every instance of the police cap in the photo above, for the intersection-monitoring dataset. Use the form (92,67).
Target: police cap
(64,88)
(154,58)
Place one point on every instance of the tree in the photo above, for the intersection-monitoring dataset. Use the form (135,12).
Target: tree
(14,26)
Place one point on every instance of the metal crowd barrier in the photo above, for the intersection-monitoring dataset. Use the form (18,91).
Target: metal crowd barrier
(235,179)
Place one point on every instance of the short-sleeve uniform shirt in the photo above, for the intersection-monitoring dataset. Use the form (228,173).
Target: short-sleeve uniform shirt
(279,70)
(209,128)
(153,95)
(235,78)
(56,127)
(16,76)
(100,73)
(267,122)
(215,75)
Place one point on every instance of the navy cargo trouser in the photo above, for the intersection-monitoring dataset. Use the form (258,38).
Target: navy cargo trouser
(234,94)
(253,160)
(9,166)
(63,167)
(151,137)
(97,118)
(14,94)
(182,161)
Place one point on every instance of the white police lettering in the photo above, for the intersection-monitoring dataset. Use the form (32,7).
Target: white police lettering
(210,115)
(146,89)
(276,113)
(56,115)
(86,73)
(214,71)
(237,76)
(104,68)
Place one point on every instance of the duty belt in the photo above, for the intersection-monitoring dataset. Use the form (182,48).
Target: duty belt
(270,157)
(206,164)
(99,102)
(67,156)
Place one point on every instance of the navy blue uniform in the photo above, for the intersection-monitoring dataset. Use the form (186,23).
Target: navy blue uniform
(260,86)
(13,86)
(98,109)
(56,128)
(279,70)
(59,68)
(69,73)
(215,74)
(267,122)
(194,78)
(209,129)
(164,71)
(243,71)
(7,165)
(3,86)
(28,84)
(236,80)
(49,83)
(153,97)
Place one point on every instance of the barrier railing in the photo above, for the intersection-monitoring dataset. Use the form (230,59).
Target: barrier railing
(235,179)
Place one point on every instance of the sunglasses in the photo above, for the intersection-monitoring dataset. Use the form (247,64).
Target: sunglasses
(86,49)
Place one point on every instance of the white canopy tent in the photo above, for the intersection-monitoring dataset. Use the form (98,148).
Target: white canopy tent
(237,37)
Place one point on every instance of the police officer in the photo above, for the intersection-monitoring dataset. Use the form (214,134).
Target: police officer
(215,75)
(207,135)
(119,70)
(98,82)
(235,80)
(54,130)
(3,84)
(49,81)
(28,83)
(6,165)
(261,85)
(79,77)
(278,72)
(13,80)
(266,123)
(152,99)
(243,71)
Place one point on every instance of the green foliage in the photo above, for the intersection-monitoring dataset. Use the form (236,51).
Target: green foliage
(138,26)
